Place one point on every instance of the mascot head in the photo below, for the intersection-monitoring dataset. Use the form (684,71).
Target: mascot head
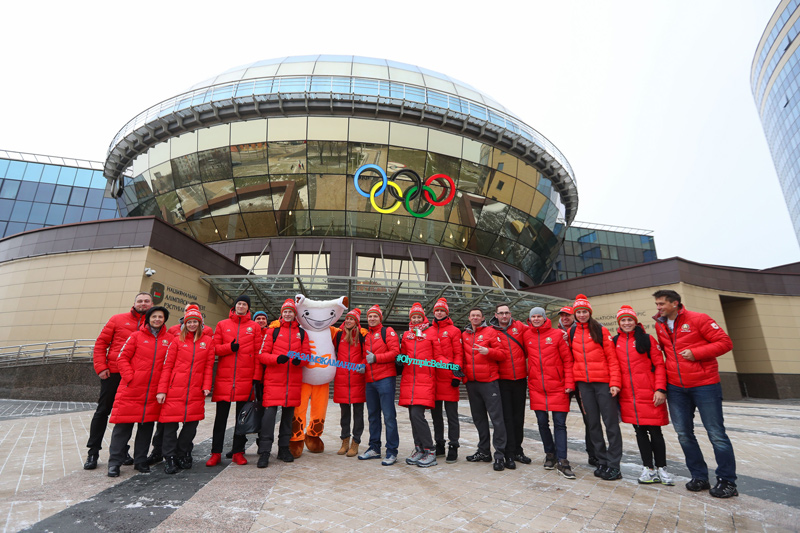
(319,315)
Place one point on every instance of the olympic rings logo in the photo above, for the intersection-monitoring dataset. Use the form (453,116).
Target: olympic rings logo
(419,188)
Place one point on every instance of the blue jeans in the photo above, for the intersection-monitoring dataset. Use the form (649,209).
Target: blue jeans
(682,403)
(559,448)
(380,399)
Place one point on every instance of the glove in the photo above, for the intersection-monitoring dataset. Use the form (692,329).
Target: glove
(296,361)
(282,359)
(458,373)
(371,358)
(361,369)
(455,382)
(234,346)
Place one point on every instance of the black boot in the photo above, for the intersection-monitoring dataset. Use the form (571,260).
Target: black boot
(113,470)
(439,449)
(185,462)
(154,458)
(91,462)
(452,454)
(171,466)
(285,455)
(144,468)
(128,460)
(263,460)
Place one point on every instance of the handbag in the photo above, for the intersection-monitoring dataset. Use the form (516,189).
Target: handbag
(249,419)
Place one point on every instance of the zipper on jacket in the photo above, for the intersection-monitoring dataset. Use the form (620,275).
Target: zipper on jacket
(152,369)
(583,346)
(630,376)
(673,337)
(236,360)
(189,386)
(541,370)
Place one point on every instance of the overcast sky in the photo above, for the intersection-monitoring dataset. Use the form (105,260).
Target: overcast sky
(650,101)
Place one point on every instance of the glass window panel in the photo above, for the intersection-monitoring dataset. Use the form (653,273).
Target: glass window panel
(20,211)
(254,193)
(38,213)
(259,265)
(500,187)
(260,224)
(14,227)
(185,170)
(73,214)
(193,203)
(3,229)
(204,230)
(6,206)
(33,172)
(504,161)
(523,196)
(311,264)
(483,242)
(141,188)
(327,157)
(539,206)
(221,197)
(67,176)
(231,227)
(328,192)
(98,181)
(360,154)
(93,199)
(401,158)
(50,174)
(527,174)
(109,213)
(170,208)
(45,192)
(289,192)
(325,223)
(3,168)
(249,159)
(83,178)
(472,177)
(455,236)
(78,196)
(515,225)
(9,190)
(29,226)
(90,214)
(328,128)
(162,178)
(55,215)
(292,223)
(493,215)
(428,231)
(146,208)
(394,227)
(61,195)
(360,224)
(215,164)
(16,170)
(287,157)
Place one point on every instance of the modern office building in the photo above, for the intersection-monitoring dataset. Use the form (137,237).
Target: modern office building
(775,80)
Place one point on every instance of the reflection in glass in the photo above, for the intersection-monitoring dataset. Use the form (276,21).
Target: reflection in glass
(515,224)
(327,223)
(230,227)
(249,159)
(162,178)
(327,192)
(215,164)
(221,197)
(456,236)
(204,230)
(254,193)
(360,154)
(193,202)
(428,231)
(482,242)
(292,223)
(287,157)
(141,188)
(361,224)
(395,227)
(185,170)
(170,208)
(472,177)
(327,157)
(400,158)
(289,192)
(260,224)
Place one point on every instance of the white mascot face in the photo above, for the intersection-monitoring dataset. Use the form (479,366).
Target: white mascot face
(319,315)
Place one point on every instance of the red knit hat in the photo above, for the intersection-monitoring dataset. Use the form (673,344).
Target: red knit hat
(441,303)
(416,309)
(289,303)
(567,310)
(356,314)
(626,311)
(581,302)
(192,313)
(376,309)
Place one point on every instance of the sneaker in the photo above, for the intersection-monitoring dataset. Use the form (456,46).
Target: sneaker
(593,461)
(510,464)
(389,460)
(370,454)
(142,467)
(439,449)
(239,459)
(550,461)
(478,457)
(171,466)
(696,485)
(214,459)
(522,458)
(263,460)
(724,489)
(664,476)
(564,469)
(285,455)
(600,470)
(648,476)
(428,459)
(611,474)
(414,458)
(499,465)
(452,454)
(185,462)
(91,462)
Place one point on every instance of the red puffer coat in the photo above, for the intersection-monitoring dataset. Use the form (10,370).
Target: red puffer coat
(549,368)
(112,337)
(385,353)
(512,367)
(187,372)
(697,332)
(140,363)
(479,367)
(282,381)
(418,383)
(641,376)
(594,363)
(349,386)
(453,353)
(236,370)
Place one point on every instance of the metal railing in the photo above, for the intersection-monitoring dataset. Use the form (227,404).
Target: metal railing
(78,350)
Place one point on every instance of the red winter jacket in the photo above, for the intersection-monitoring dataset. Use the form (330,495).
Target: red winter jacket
(112,337)
(385,353)
(549,368)
(512,367)
(282,381)
(594,363)
(697,332)
(236,370)
(479,367)
(349,386)
(140,362)
(641,376)
(176,330)
(187,372)
(453,353)
(418,383)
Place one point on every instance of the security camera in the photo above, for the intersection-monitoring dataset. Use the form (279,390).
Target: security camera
(149,272)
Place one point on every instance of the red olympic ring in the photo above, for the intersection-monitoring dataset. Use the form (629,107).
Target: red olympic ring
(450,193)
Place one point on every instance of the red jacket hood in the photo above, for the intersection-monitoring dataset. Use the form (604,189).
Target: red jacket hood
(233,316)
(547,326)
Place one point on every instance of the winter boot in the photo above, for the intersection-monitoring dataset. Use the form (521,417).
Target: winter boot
(345,446)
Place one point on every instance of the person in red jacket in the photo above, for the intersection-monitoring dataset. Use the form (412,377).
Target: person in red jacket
(549,383)
(642,399)
(447,381)
(237,340)
(140,362)
(349,387)
(185,382)
(175,330)
(483,350)
(282,383)
(106,349)
(691,343)
(418,383)
(513,383)
(596,373)
(382,347)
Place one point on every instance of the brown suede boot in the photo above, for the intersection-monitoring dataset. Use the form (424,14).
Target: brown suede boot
(314,444)
(345,446)
(353,451)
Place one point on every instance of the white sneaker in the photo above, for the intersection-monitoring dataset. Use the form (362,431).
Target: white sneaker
(414,458)
(370,454)
(665,477)
(648,476)
(389,460)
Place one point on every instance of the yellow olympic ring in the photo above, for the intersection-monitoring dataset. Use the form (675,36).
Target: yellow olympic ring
(372,198)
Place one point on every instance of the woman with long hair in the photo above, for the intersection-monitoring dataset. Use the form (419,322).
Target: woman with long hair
(349,386)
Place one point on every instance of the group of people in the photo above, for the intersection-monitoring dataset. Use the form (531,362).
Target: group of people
(153,374)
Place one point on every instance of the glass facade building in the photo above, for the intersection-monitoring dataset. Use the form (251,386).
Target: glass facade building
(38,191)
(775,81)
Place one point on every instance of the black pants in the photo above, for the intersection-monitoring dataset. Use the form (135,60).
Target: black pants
(651,446)
(484,398)
(587,440)
(512,394)
(221,424)
(420,429)
(598,403)
(453,427)
(358,420)
(118,450)
(176,445)
(97,429)
(158,439)
(267,435)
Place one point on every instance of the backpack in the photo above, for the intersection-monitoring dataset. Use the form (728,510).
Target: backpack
(652,366)
(277,331)
(337,339)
